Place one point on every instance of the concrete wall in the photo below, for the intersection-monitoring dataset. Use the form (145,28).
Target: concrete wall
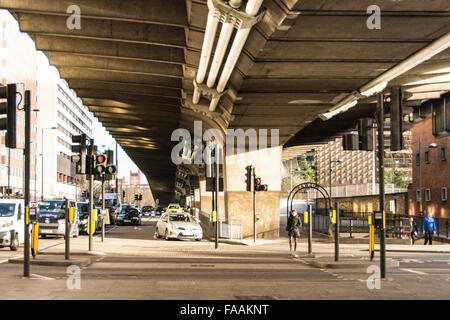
(372,203)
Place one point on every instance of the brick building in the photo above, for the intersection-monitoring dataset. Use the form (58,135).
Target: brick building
(435,167)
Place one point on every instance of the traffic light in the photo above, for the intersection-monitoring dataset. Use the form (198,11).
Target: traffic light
(140,197)
(248,178)
(259,186)
(136,197)
(80,158)
(396,115)
(100,161)
(9,108)
(123,195)
(365,131)
(110,167)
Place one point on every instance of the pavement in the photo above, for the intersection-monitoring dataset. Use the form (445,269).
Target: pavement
(132,264)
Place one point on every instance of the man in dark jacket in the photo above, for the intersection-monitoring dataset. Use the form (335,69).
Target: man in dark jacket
(412,229)
(293,227)
(429,228)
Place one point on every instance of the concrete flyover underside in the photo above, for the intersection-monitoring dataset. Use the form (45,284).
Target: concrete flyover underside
(133,63)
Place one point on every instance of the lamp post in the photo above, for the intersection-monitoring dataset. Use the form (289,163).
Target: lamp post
(331,161)
(42,158)
(35,161)
(431,146)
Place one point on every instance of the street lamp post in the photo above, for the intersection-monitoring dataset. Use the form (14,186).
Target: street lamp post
(42,159)
(331,161)
(431,146)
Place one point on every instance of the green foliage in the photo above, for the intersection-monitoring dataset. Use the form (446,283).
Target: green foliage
(307,171)
(398,178)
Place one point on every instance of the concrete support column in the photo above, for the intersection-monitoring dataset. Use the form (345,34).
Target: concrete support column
(206,200)
(239,202)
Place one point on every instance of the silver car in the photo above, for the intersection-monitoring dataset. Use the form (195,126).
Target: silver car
(174,225)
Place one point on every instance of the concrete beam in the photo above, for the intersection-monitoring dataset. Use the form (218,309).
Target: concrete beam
(124,87)
(87,74)
(103,29)
(168,12)
(115,65)
(112,49)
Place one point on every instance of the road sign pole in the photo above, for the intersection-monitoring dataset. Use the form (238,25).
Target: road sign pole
(26,250)
(67,231)
(91,191)
(381,182)
(309,228)
(336,233)
(103,206)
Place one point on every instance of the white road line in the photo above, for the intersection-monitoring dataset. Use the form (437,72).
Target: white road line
(6,260)
(415,271)
(39,277)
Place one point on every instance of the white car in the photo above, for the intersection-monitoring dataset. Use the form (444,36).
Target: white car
(174,225)
(11,223)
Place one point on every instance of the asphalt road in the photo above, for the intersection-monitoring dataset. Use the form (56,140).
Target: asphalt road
(138,266)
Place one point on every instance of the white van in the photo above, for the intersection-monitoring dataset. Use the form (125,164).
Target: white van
(12,215)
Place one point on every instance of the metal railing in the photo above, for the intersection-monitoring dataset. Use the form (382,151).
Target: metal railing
(397,225)
(230,229)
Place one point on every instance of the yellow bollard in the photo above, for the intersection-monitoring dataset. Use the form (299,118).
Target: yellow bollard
(94,219)
(34,239)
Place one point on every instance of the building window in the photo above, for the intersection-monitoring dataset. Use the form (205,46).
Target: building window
(418,195)
(443,157)
(444,194)
(427,195)
(417,159)
(427,156)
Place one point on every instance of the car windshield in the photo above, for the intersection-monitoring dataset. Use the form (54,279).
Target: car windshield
(174,207)
(180,217)
(51,206)
(7,209)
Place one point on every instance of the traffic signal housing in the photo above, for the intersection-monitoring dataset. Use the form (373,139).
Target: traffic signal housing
(100,162)
(110,169)
(259,186)
(9,108)
(248,178)
(136,197)
(80,156)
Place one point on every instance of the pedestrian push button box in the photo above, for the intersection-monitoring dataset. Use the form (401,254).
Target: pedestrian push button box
(378,219)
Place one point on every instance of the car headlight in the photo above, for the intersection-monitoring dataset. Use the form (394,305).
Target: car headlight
(6,224)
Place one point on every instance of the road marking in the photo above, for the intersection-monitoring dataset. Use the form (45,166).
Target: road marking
(6,260)
(415,271)
(39,277)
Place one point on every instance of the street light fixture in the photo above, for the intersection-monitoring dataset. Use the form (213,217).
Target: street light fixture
(431,146)
(42,158)
(331,161)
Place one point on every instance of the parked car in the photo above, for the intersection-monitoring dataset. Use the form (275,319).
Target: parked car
(52,220)
(83,213)
(159,211)
(11,223)
(129,216)
(173,225)
(146,210)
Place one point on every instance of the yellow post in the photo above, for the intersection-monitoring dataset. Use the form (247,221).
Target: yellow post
(71,214)
(34,239)
(305,217)
(333,220)
(214,216)
(94,219)
(27,221)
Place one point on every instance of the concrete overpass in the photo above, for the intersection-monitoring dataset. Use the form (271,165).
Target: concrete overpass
(134,64)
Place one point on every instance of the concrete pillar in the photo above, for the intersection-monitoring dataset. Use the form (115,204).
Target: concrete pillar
(206,200)
(239,202)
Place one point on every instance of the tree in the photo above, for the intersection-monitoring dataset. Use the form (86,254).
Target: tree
(307,171)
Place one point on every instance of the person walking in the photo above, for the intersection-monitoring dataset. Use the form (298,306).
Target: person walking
(293,227)
(413,229)
(429,228)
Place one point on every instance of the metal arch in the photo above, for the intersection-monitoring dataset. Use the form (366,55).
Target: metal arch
(307,185)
